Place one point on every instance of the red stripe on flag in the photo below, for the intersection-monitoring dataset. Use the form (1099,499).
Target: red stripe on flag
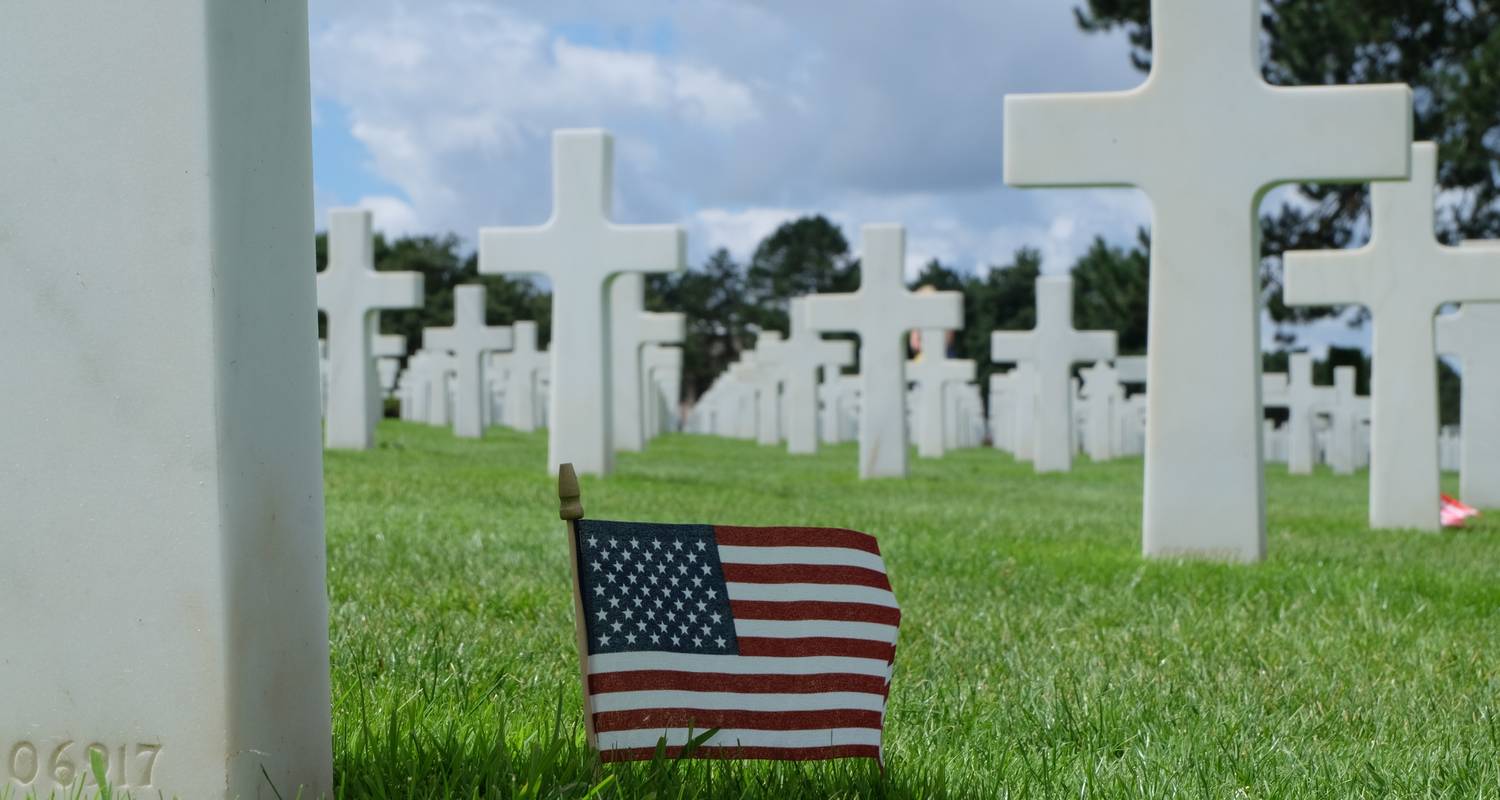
(762,753)
(673,680)
(816,646)
(703,719)
(806,573)
(815,609)
(795,537)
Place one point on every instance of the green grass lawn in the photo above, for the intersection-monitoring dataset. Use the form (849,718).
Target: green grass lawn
(1040,656)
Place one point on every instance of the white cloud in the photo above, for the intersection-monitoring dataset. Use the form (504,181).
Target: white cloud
(392,216)
(737,231)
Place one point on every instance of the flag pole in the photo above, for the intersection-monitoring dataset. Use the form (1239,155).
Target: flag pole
(571,510)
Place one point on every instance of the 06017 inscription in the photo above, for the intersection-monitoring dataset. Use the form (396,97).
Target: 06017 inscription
(66,763)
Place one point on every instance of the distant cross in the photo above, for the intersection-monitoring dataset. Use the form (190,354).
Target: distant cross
(1403,275)
(469,340)
(579,249)
(388,349)
(881,312)
(1023,391)
(1001,410)
(932,370)
(1105,395)
(438,365)
(662,365)
(1473,337)
(1303,401)
(804,353)
(1205,137)
(350,292)
(1054,346)
(524,364)
(768,375)
(1347,411)
(634,328)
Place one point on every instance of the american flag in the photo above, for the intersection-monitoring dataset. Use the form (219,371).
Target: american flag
(782,639)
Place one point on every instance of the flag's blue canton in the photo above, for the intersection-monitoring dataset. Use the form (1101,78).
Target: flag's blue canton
(653,588)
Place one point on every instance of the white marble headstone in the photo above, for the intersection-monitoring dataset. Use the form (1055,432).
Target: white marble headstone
(881,312)
(1053,347)
(351,294)
(470,340)
(579,249)
(1403,275)
(1205,137)
(1472,335)
(161,496)
(932,370)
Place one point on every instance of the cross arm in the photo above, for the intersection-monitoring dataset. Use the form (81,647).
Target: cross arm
(1085,139)
(1470,273)
(1274,389)
(835,352)
(1012,346)
(1324,277)
(663,327)
(646,248)
(501,338)
(398,290)
(518,250)
(936,310)
(1318,119)
(829,313)
(1096,346)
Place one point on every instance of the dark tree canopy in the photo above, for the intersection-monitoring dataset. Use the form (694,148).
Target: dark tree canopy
(1448,51)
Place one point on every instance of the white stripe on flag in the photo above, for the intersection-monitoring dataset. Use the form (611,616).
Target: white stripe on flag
(825,592)
(622,740)
(737,665)
(732,701)
(734,554)
(796,629)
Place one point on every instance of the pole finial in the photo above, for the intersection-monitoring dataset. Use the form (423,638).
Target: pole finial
(568,493)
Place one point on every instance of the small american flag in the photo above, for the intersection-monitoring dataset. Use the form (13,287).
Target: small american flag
(782,639)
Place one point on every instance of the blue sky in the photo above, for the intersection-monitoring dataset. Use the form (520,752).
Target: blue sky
(729,117)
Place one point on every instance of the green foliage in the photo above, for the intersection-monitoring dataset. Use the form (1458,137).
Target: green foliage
(1040,656)
(1111,290)
(805,256)
(1448,51)
(444,265)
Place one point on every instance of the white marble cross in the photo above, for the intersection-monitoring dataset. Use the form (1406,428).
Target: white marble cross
(1472,335)
(1347,411)
(881,313)
(1205,136)
(803,354)
(1303,401)
(351,293)
(662,365)
(931,371)
(632,327)
(1105,395)
(524,364)
(1403,275)
(768,373)
(441,366)
(387,350)
(469,340)
(164,611)
(1054,346)
(1002,410)
(579,249)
